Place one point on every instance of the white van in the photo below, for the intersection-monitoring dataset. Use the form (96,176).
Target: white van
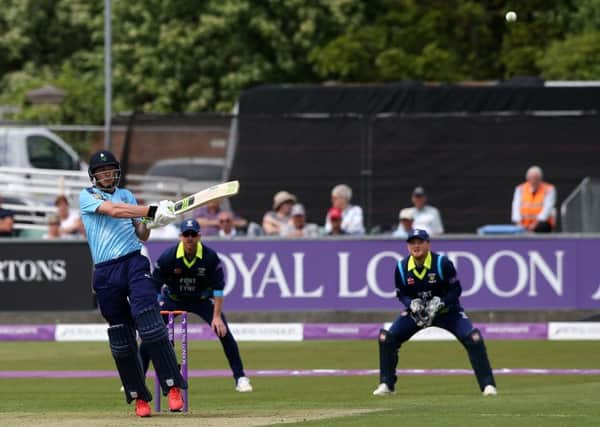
(36,147)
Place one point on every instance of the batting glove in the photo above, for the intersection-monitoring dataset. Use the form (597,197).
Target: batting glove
(164,214)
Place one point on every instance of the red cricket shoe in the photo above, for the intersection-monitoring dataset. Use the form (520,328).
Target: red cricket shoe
(142,408)
(175,399)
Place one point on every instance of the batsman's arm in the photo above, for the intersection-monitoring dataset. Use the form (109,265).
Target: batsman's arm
(141,230)
(400,294)
(126,210)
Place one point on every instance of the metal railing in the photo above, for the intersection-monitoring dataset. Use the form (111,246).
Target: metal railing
(579,211)
(37,189)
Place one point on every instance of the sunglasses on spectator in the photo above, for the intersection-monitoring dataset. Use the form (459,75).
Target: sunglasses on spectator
(222,221)
(189,234)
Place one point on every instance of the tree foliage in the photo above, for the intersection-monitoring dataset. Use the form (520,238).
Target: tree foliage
(198,55)
(577,55)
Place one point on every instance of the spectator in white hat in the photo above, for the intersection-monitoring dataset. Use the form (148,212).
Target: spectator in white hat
(280,215)
(405,223)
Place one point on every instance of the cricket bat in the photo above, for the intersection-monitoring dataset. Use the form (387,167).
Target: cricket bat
(219,191)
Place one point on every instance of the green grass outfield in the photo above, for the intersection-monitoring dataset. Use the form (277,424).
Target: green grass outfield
(532,400)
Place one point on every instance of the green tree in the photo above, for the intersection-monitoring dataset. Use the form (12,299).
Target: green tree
(577,56)
(198,55)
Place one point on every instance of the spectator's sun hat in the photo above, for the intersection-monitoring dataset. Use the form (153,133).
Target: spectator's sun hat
(281,197)
(406,213)
(298,209)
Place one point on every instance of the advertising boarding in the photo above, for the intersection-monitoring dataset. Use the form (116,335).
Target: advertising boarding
(343,274)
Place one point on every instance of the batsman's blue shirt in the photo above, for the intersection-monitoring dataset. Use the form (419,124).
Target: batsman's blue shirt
(108,238)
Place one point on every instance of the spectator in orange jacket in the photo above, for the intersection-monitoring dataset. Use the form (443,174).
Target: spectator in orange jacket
(533,203)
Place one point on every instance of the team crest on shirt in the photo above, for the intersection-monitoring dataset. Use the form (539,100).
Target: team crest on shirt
(201,271)
(431,278)
(410,281)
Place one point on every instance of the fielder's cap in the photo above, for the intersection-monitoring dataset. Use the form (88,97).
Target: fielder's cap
(418,191)
(298,209)
(190,225)
(334,213)
(406,213)
(418,234)
(281,197)
(4,213)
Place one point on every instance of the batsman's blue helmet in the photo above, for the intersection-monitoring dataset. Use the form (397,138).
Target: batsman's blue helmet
(104,158)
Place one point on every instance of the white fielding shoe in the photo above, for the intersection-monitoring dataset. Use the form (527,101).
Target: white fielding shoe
(490,390)
(383,390)
(243,385)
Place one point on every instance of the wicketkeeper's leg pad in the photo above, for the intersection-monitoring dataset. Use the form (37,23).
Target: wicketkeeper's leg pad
(155,338)
(388,358)
(123,346)
(480,362)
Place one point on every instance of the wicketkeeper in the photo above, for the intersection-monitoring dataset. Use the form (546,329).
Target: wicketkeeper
(427,285)
(192,275)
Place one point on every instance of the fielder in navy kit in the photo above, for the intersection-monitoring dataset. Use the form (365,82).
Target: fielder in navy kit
(193,280)
(427,285)
(125,290)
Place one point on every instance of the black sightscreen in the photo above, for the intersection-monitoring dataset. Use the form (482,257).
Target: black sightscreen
(469,147)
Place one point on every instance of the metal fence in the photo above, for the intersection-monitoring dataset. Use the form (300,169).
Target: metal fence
(579,211)
(468,163)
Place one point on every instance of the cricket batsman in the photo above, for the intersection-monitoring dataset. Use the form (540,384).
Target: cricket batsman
(115,224)
(426,283)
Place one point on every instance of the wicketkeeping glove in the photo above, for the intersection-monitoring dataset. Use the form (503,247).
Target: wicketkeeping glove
(434,305)
(418,312)
(416,305)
